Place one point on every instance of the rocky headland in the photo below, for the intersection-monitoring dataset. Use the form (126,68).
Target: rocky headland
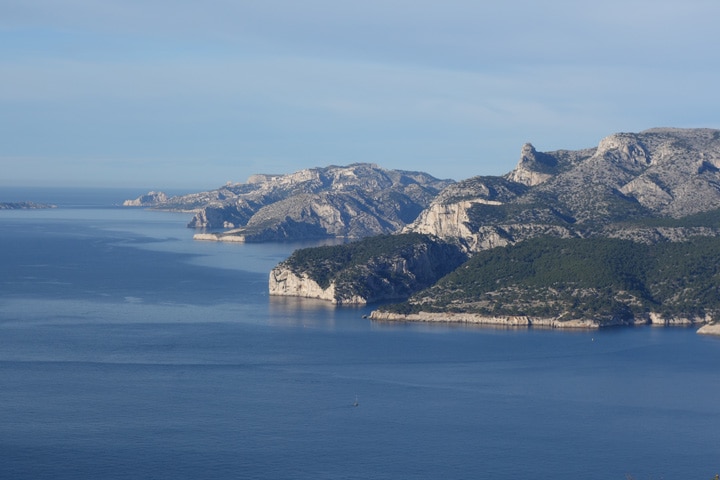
(375,269)
(355,201)
(643,193)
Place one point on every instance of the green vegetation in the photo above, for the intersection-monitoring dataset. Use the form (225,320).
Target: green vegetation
(597,278)
(710,218)
(366,266)
(483,214)
(323,263)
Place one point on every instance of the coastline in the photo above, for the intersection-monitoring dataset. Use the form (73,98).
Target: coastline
(219,237)
(524,321)
(514,321)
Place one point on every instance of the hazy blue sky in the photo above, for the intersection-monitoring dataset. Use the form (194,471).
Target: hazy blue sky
(188,94)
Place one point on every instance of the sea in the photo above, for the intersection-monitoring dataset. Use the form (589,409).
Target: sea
(130,351)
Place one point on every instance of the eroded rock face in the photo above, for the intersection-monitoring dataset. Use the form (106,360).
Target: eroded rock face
(445,220)
(533,168)
(283,281)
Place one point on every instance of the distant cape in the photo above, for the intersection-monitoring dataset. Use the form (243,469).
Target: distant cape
(25,205)
(353,201)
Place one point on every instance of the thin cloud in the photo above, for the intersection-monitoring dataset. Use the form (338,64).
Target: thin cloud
(406,84)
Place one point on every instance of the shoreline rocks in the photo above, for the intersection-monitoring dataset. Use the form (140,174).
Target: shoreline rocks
(524,321)
(219,237)
(284,282)
(516,321)
(710,329)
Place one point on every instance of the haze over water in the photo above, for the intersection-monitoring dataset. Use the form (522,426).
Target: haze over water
(129,351)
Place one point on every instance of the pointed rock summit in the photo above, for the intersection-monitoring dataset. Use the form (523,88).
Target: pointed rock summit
(533,168)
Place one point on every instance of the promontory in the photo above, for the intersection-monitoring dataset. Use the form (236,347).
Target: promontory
(622,233)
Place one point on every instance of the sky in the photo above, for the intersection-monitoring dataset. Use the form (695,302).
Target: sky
(180,94)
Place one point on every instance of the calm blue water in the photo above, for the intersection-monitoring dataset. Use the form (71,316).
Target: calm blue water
(129,351)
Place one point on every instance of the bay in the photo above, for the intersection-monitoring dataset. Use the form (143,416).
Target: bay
(128,350)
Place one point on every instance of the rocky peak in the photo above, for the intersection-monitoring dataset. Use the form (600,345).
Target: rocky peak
(527,152)
(624,148)
(533,168)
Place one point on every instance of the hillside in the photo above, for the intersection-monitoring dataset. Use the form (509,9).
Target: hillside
(607,281)
(379,268)
(350,202)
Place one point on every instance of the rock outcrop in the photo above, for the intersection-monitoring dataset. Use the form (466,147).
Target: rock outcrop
(283,281)
(533,168)
(711,329)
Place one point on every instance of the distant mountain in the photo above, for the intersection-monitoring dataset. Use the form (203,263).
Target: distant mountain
(355,201)
(24,205)
(654,187)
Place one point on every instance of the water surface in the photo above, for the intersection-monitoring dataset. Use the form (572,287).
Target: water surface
(129,351)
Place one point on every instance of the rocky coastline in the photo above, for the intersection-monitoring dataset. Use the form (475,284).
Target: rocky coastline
(220,237)
(711,329)
(524,321)
(515,321)
(283,281)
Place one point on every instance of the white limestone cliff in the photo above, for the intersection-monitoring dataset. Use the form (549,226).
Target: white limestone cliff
(447,220)
(711,329)
(285,282)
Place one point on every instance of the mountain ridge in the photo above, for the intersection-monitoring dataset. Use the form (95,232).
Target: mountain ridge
(353,201)
(658,173)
